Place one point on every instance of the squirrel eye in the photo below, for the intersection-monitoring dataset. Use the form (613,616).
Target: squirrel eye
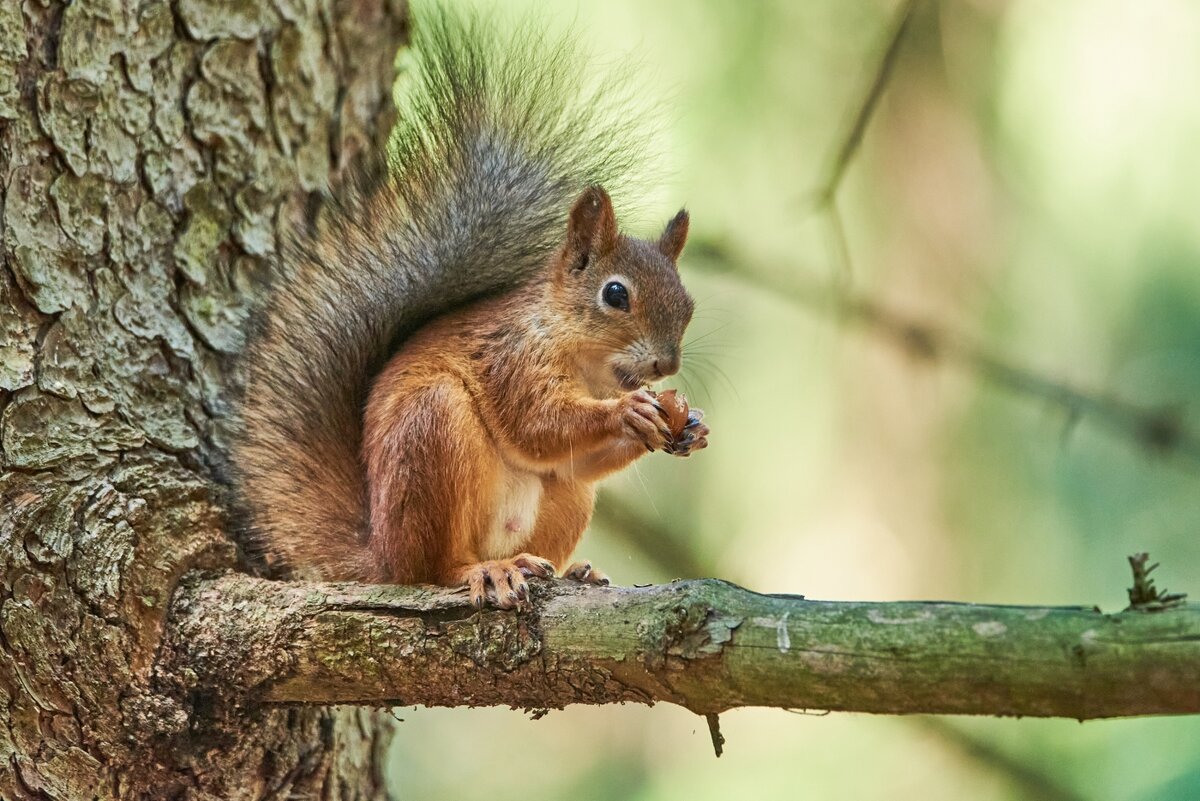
(616,295)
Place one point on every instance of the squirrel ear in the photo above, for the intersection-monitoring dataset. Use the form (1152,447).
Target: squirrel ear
(591,229)
(673,238)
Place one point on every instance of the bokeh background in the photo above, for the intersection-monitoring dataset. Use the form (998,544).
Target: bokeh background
(1025,212)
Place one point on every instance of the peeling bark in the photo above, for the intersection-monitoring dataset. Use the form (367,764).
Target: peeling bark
(148,150)
(706,645)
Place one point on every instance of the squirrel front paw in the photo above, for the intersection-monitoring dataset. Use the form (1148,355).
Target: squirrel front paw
(502,581)
(642,417)
(694,436)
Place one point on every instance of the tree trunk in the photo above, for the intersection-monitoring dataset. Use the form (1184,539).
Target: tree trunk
(148,151)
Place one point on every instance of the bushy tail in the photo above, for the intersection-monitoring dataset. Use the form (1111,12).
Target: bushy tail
(497,137)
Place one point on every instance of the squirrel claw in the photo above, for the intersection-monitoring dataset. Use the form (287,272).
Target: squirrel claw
(695,438)
(501,582)
(642,418)
(531,565)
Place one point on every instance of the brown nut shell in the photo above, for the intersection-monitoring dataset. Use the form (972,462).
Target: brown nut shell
(674,411)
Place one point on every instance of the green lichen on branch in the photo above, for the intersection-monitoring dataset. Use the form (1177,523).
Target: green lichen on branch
(705,645)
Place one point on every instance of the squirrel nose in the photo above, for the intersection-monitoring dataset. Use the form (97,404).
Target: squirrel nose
(667,366)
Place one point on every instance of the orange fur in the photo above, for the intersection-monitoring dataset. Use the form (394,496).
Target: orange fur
(485,434)
(369,449)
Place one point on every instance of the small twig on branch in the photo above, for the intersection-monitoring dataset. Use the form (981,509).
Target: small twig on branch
(1143,595)
(714,731)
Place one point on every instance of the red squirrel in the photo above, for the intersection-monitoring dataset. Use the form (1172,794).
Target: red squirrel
(453,355)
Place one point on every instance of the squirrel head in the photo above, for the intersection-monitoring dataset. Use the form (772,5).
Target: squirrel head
(623,299)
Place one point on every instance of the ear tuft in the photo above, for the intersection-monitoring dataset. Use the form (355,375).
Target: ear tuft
(591,228)
(673,238)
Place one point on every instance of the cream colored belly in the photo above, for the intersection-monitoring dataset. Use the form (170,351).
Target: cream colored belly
(518,496)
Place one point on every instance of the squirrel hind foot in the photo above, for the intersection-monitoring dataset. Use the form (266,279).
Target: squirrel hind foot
(501,582)
(583,572)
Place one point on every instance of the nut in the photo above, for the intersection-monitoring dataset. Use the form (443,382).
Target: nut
(674,411)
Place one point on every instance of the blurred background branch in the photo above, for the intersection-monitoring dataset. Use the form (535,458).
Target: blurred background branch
(1027,779)
(1016,183)
(826,194)
(1160,432)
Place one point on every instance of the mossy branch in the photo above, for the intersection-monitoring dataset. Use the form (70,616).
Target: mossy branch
(706,645)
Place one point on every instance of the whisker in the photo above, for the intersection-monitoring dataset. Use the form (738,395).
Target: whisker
(703,396)
(707,351)
(706,335)
(649,496)
(700,363)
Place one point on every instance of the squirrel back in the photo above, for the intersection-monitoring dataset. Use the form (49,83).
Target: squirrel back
(496,139)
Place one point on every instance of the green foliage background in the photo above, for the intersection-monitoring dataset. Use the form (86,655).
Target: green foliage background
(1031,183)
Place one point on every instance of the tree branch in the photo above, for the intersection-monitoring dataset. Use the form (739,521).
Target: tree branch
(659,543)
(706,645)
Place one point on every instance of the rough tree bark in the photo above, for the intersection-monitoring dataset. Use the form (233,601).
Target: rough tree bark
(148,151)
(147,148)
(706,645)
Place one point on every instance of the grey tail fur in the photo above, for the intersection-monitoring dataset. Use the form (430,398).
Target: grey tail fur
(497,137)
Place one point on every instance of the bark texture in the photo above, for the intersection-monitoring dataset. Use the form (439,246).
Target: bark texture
(705,645)
(148,150)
